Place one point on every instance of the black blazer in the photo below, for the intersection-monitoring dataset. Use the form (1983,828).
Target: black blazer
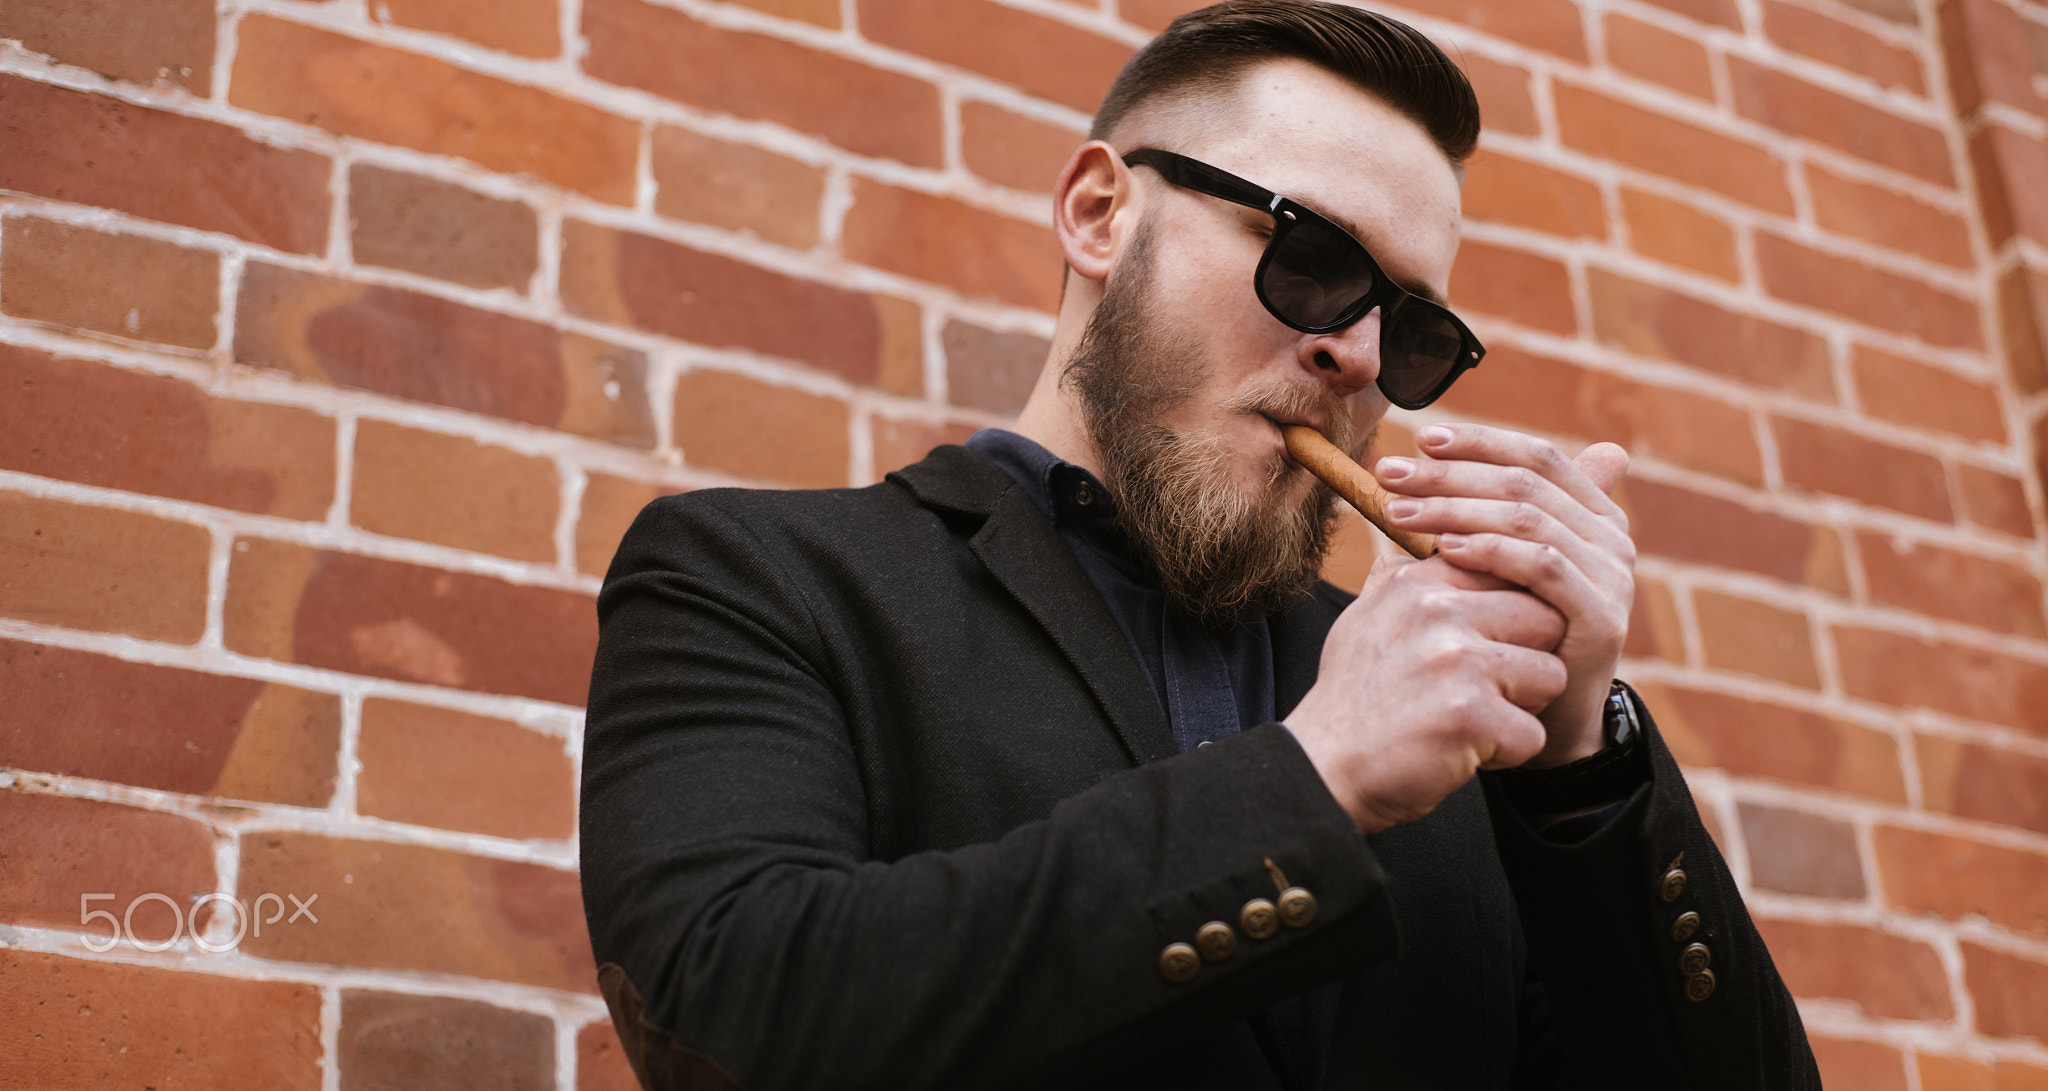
(875,794)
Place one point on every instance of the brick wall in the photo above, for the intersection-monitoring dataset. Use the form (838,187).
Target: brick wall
(340,340)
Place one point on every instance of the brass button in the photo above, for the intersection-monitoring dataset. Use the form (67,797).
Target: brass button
(1699,986)
(1216,941)
(1179,963)
(1673,885)
(1685,926)
(1694,959)
(1297,907)
(1259,919)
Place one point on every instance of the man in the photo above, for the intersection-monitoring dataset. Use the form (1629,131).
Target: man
(1047,762)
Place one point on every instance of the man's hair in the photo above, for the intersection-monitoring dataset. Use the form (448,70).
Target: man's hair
(1207,49)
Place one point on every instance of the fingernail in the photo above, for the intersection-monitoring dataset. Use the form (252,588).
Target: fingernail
(1436,435)
(1404,508)
(1394,469)
(1445,543)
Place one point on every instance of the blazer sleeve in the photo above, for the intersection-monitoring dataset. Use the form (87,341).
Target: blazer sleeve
(747,939)
(1653,972)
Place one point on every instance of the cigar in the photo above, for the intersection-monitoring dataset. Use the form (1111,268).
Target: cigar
(1354,484)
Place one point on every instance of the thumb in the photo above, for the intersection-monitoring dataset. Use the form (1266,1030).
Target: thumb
(1605,464)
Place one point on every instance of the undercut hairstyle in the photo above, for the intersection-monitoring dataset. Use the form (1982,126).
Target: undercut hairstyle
(1206,50)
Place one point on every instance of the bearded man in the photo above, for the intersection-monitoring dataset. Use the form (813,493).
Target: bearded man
(1048,762)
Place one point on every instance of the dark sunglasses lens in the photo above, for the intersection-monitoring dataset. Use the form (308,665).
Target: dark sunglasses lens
(1417,353)
(1313,272)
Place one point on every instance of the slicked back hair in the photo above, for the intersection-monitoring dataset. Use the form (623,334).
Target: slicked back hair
(1208,48)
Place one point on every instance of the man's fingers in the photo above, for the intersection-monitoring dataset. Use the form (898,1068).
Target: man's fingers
(1455,445)
(1605,464)
(1515,617)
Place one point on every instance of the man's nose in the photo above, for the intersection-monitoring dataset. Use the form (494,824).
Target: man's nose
(1347,359)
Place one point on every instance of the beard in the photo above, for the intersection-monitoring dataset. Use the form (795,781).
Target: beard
(1219,550)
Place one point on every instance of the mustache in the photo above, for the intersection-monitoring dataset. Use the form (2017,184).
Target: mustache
(1299,401)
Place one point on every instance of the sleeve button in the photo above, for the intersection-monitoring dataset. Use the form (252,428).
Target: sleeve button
(1297,907)
(1694,959)
(1259,919)
(1699,986)
(1685,926)
(1215,941)
(1672,885)
(1179,963)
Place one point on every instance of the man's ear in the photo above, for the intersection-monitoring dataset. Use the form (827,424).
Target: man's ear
(1091,197)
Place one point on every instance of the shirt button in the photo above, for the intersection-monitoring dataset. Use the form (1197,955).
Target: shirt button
(1685,926)
(1179,963)
(1699,986)
(1259,919)
(1083,495)
(1216,941)
(1693,960)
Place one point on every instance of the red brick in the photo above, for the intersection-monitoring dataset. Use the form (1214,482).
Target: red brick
(1554,26)
(58,849)
(1755,739)
(1050,59)
(1986,47)
(1887,301)
(1635,137)
(1651,421)
(390,620)
(1910,672)
(2009,991)
(1504,97)
(122,429)
(824,13)
(530,28)
(898,443)
(858,107)
(2037,44)
(401,1040)
(1515,285)
(1675,522)
(1155,14)
(1939,1073)
(991,369)
(1987,783)
(125,285)
(902,370)
(1720,12)
(1656,322)
(1677,233)
(1798,108)
(935,239)
(1866,1066)
(601,1063)
(409,907)
(351,87)
(1887,218)
(1949,584)
(1954,877)
(1013,150)
(1754,638)
(1502,189)
(1908,392)
(102,1024)
(1654,628)
(1656,54)
(1830,460)
(427,349)
(1898,11)
(2012,172)
(736,186)
(610,505)
(441,230)
(94,150)
(138,40)
(1801,853)
(438,767)
(454,491)
(1995,500)
(743,426)
(1844,45)
(2023,323)
(1887,976)
(97,568)
(165,728)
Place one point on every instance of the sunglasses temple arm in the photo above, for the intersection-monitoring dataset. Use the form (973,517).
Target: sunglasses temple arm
(1351,481)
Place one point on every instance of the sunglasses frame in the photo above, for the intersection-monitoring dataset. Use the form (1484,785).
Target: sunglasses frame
(1389,297)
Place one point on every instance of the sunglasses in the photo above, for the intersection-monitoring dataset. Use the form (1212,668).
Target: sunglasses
(1316,278)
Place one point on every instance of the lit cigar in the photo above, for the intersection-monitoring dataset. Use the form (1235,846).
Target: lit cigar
(1353,483)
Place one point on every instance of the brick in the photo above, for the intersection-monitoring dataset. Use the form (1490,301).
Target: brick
(454,491)
(1155,14)
(1887,976)
(856,106)
(601,1063)
(991,369)
(93,150)
(1654,628)
(424,348)
(1772,742)
(1954,877)
(1751,637)
(1908,392)
(1635,137)
(1946,583)
(2011,171)
(355,88)
(1887,218)
(530,28)
(1505,100)
(1844,45)
(902,366)
(1910,672)
(1995,500)
(1554,26)
(58,849)
(610,505)
(1655,54)
(1718,12)
(2023,325)
(410,907)
(1898,11)
(1675,232)
(1867,1066)
(898,443)
(1986,47)
(1013,150)
(122,429)
(1886,301)
(137,40)
(1675,522)
(824,13)
(943,241)
(1801,853)
(1830,460)
(1798,108)
(400,1040)
(1651,421)
(101,569)
(2008,990)
(1938,1073)
(1043,57)
(391,620)
(126,285)
(736,186)
(438,767)
(1666,325)
(91,1024)
(1987,783)
(2037,44)
(1515,285)
(441,230)
(743,426)
(1502,189)
(165,728)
